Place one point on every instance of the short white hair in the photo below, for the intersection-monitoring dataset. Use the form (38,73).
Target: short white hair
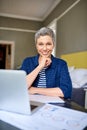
(43,32)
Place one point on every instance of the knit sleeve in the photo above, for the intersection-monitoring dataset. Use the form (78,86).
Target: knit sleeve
(65,81)
(25,65)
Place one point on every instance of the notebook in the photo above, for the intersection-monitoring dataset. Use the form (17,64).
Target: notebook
(14,96)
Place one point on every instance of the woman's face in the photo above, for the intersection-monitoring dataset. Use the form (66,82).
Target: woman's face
(44,46)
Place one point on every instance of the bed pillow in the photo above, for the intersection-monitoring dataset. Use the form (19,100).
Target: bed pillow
(78,77)
(71,68)
(80,84)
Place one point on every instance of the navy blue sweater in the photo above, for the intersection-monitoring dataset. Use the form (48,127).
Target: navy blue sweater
(57,74)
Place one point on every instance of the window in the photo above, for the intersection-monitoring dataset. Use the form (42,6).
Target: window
(53,27)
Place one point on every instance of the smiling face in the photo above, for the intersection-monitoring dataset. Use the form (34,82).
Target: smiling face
(44,46)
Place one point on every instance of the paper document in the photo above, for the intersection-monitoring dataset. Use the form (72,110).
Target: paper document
(45,99)
(49,117)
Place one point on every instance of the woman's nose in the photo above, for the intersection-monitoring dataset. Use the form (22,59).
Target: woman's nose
(44,47)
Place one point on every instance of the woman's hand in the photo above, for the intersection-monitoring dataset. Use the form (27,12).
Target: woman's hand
(32,90)
(44,61)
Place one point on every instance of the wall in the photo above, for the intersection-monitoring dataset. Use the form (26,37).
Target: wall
(59,9)
(71,28)
(22,33)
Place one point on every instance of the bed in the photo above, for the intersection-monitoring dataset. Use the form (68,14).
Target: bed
(77,65)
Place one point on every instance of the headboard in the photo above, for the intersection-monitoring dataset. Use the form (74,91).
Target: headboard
(77,59)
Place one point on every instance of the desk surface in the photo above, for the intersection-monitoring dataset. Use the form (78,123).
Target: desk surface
(67,104)
(72,105)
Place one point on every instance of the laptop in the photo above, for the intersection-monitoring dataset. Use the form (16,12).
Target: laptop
(14,96)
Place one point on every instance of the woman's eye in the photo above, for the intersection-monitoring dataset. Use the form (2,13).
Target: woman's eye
(40,44)
(49,43)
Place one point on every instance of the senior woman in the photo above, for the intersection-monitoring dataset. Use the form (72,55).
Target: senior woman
(46,74)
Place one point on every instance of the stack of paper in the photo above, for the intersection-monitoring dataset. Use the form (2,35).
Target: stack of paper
(49,117)
(45,99)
